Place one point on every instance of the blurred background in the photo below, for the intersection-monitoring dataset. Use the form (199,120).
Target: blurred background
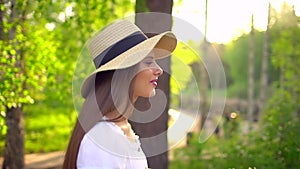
(257,42)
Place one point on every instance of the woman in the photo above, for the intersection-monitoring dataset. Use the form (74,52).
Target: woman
(125,70)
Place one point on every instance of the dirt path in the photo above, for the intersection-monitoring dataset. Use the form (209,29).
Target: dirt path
(52,160)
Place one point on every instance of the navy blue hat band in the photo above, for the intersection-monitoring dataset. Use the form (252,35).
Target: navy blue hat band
(119,48)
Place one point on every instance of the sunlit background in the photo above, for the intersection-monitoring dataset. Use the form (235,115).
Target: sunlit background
(226,19)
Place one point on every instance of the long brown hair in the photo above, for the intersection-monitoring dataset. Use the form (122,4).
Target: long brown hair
(110,95)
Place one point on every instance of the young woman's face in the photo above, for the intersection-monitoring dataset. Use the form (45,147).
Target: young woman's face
(145,81)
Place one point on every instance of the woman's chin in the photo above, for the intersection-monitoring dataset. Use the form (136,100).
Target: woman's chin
(151,94)
(148,95)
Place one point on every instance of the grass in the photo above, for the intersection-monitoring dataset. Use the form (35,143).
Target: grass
(47,128)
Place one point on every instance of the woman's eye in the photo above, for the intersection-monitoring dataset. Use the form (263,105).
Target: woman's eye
(148,62)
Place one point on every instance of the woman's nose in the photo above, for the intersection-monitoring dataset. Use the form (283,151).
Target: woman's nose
(158,70)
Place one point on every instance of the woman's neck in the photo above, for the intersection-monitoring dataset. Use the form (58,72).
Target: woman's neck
(125,126)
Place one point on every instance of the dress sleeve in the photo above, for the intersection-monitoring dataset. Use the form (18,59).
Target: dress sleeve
(92,156)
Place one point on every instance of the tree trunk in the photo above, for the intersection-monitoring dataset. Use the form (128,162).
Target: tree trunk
(203,75)
(251,77)
(14,145)
(264,69)
(152,24)
(1,21)
(203,87)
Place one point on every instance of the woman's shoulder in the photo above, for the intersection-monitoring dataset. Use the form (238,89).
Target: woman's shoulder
(93,154)
(100,126)
(107,137)
(97,148)
(106,128)
(105,144)
(110,137)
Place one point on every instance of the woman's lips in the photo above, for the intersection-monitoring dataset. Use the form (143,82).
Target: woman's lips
(154,82)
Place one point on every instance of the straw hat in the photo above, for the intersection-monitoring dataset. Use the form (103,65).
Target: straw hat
(121,45)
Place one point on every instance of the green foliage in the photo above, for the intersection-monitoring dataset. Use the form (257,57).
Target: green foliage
(236,56)
(281,129)
(281,118)
(141,6)
(72,32)
(37,64)
(181,72)
(47,56)
(258,149)
(12,77)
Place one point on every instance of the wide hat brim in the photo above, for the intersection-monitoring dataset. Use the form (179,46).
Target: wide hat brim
(161,45)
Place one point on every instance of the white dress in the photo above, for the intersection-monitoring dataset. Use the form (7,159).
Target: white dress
(105,146)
